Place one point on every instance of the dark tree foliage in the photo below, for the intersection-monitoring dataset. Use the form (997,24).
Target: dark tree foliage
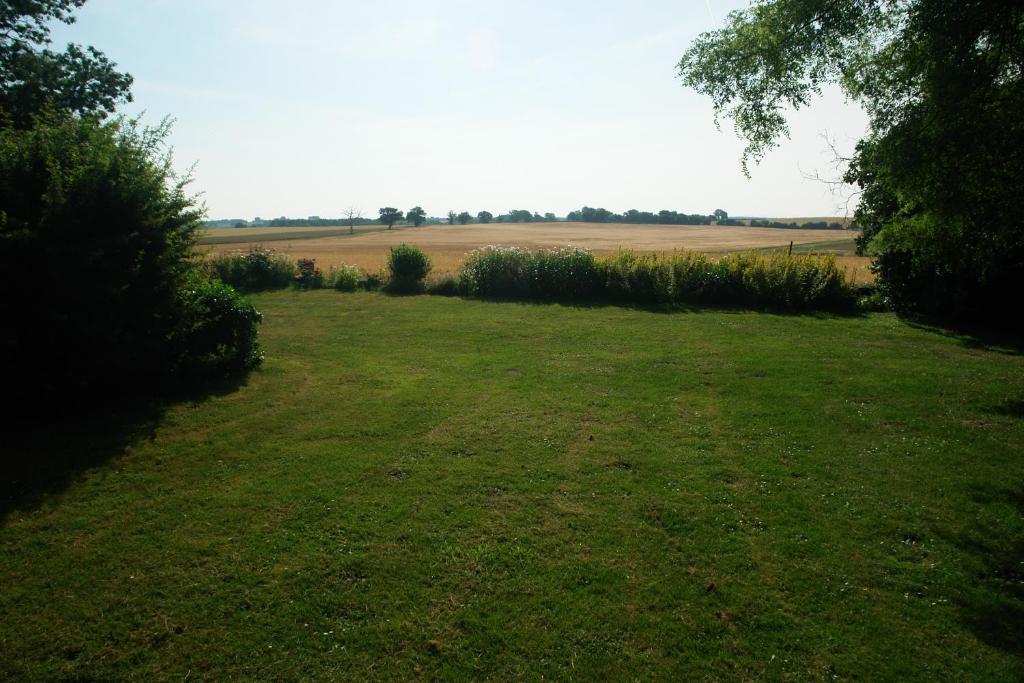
(389,216)
(97,266)
(464,217)
(519,216)
(484,217)
(665,217)
(942,164)
(34,78)
(416,215)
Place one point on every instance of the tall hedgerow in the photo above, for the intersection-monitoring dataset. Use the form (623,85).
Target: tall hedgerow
(96,259)
(779,281)
(514,272)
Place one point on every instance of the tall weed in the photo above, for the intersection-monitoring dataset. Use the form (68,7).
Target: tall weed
(780,281)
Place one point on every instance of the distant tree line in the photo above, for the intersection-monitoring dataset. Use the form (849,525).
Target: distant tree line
(810,225)
(665,217)
(285,222)
(416,216)
(591,215)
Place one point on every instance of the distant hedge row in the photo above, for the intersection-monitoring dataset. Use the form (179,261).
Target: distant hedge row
(779,280)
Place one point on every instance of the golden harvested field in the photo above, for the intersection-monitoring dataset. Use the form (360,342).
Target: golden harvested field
(447,245)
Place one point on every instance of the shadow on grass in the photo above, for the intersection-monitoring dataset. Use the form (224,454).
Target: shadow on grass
(1010,342)
(994,608)
(1009,408)
(44,454)
(663,308)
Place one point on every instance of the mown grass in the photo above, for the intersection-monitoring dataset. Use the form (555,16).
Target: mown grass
(468,490)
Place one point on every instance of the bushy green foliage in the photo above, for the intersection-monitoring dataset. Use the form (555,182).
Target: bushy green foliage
(515,272)
(800,281)
(407,268)
(259,269)
(96,248)
(344,278)
(34,79)
(774,281)
(218,330)
(496,272)
(308,276)
(939,170)
(567,273)
(637,278)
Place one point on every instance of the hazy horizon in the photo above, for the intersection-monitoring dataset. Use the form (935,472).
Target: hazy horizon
(307,111)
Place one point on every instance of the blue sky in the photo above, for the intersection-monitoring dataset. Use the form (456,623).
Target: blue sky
(308,107)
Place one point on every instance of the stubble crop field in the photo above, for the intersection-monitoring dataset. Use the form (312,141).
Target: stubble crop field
(447,245)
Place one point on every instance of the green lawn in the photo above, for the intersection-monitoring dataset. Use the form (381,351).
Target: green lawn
(461,489)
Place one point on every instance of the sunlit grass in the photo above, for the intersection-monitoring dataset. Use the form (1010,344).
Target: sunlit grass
(459,489)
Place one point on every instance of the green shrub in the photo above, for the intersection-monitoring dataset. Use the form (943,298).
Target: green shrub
(344,278)
(513,272)
(97,239)
(407,268)
(259,269)
(695,279)
(308,276)
(217,332)
(564,273)
(800,281)
(637,278)
(496,272)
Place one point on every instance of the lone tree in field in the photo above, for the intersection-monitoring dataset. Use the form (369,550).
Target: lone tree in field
(484,217)
(352,214)
(452,216)
(464,217)
(720,215)
(940,170)
(416,215)
(79,81)
(389,216)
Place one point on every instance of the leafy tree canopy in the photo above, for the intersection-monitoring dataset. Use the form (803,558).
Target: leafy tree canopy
(34,78)
(389,215)
(416,215)
(939,171)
